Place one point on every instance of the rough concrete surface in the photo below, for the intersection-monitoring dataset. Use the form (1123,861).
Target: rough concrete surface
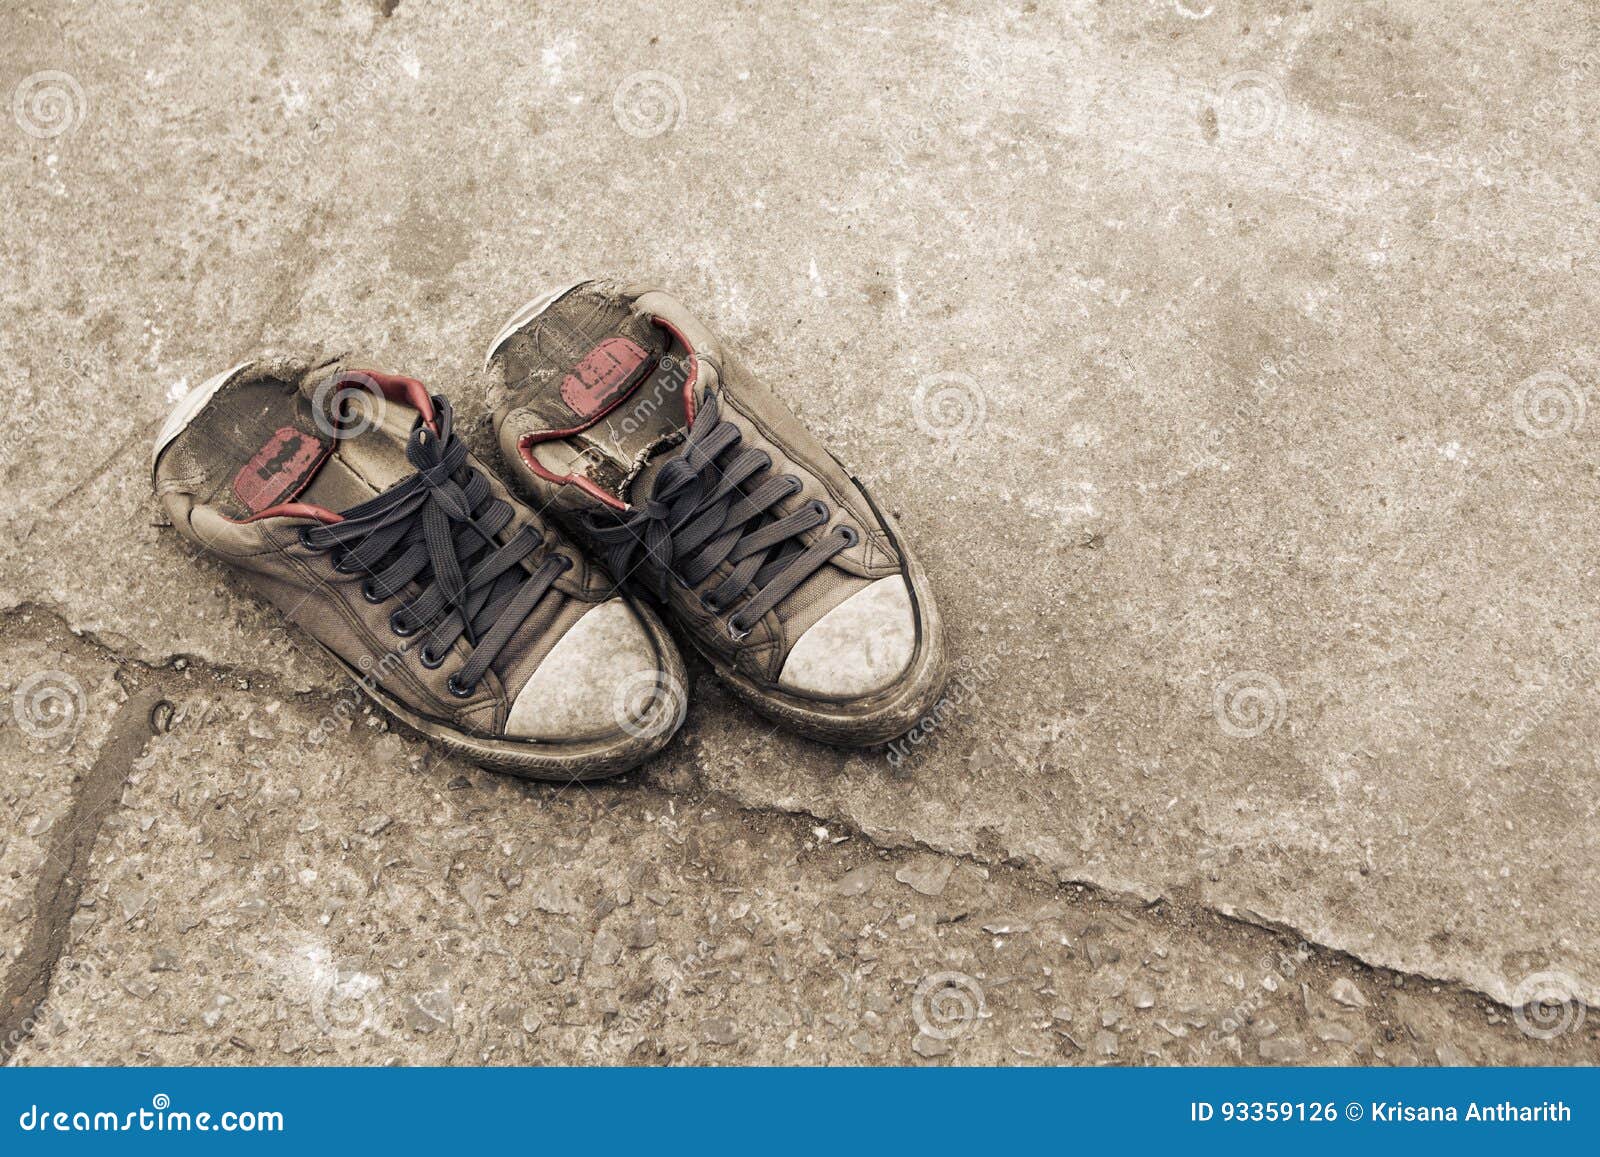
(1230,365)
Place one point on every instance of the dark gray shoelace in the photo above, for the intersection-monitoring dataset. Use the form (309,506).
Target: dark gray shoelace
(437,528)
(697,517)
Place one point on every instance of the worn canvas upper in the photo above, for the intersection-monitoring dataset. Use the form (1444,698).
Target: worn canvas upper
(579,415)
(263,440)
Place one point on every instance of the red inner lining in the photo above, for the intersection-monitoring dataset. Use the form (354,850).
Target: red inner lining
(406,391)
(293,510)
(396,388)
(528,441)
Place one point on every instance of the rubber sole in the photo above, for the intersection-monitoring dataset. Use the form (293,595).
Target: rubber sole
(580,761)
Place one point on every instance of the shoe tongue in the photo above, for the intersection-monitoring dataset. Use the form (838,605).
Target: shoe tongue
(639,487)
(368,458)
(622,452)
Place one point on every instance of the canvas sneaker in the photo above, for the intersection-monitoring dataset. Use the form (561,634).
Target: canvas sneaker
(623,415)
(347,498)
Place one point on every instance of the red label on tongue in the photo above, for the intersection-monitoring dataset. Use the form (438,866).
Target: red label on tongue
(596,382)
(280,469)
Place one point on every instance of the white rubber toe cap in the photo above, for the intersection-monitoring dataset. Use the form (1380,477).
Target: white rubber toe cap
(863,645)
(575,691)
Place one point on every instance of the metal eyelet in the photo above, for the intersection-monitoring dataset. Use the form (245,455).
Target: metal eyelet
(305,542)
(848,533)
(820,507)
(710,605)
(340,568)
(736,630)
(457,689)
(398,628)
(428,660)
(366,593)
(795,484)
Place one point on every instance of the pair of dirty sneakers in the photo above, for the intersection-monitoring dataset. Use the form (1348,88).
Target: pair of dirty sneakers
(652,473)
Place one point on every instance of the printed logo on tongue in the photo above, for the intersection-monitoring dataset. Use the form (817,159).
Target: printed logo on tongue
(602,377)
(280,469)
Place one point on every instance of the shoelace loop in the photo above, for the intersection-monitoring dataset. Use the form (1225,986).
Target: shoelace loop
(699,515)
(437,528)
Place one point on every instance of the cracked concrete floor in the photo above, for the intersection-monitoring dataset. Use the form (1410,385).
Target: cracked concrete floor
(1231,366)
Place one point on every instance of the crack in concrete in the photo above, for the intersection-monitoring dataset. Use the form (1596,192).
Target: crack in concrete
(66,867)
(1030,865)
(1114,897)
